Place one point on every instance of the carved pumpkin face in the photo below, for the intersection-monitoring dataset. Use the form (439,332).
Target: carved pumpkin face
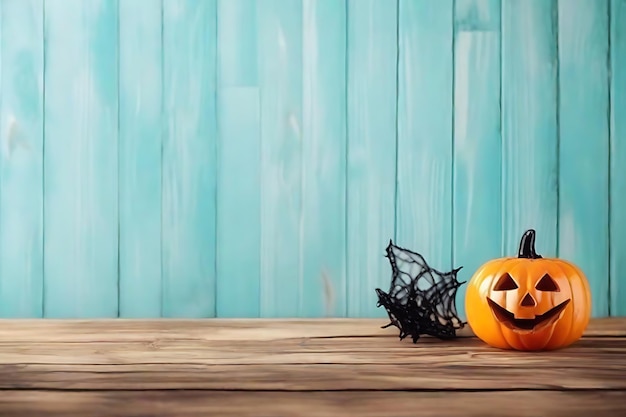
(528,302)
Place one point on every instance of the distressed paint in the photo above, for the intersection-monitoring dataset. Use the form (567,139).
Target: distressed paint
(140,130)
(372,55)
(529,123)
(425,98)
(476,219)
(239,195)
(239,187)
(618,158)
(189,158)
(81,141)
(21,158)
(259,139)
(280,82)
(324,140)
(584,142)
(237,43)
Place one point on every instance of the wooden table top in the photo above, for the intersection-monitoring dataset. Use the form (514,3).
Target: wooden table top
(319,367)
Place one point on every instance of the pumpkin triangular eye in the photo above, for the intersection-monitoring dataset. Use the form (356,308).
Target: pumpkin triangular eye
(546,283)
(505,283)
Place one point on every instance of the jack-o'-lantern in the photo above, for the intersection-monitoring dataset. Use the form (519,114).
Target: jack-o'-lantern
(528,302)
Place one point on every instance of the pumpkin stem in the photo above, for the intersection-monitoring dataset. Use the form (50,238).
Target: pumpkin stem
(527,245)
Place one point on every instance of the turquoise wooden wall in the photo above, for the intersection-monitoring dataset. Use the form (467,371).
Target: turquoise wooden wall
(199,158)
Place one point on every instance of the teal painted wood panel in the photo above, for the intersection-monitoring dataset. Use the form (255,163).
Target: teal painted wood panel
(189,158)
(477,215)
(80,159)
(529,124)
(238,187)
(140,130)
(425,120)
(584,142)
(21,158)
(324,142)
(238,198)
(618,158)
(372,113)
(240,158)
(238,60)
(280,82)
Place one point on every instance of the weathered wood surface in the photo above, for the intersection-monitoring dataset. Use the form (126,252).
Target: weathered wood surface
(296,367)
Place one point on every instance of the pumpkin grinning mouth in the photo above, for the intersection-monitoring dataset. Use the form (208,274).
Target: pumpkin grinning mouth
(542,320)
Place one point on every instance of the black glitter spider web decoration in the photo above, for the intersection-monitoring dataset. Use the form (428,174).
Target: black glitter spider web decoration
(421,300)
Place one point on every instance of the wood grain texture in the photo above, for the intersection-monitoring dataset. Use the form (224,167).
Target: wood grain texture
(322,274)
(80,158)
(618,159)
(130,330)
(280,82)
(291,355)
(189,158)
(295,367)
(140,130)
(314,404)
(309,364)
(529,124)
(584,143)
(477,221)
(238,203)
(21,158)
(424,154)
(371,170)
(238,59)
(239,155)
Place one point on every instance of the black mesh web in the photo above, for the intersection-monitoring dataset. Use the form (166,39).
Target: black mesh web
(421,300)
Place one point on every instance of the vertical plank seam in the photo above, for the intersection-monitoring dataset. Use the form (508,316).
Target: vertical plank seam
(302,171)
(610,158)
(215,151)
(500,127)
(346,300)
(346,168)
(119,268)
(395,196)
(162,137)
(43,162)
(555,18)
(260,87)
(452,133)
(218,139)
(502,134)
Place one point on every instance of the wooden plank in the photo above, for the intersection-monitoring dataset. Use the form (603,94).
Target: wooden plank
(435,375)
(237,43)
(477,221)
(140,132)
(598,352)
(239,154)
(618,159)
(189,158)
(280,81)
(297,404)
(322,273)
(238,203)
(235,330)
(529,124)
(372,55)
(81,177)
(21,158)
(425,108)
(584,143)
(309,364)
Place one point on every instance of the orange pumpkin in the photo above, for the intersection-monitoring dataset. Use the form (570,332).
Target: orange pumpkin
(528,302)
